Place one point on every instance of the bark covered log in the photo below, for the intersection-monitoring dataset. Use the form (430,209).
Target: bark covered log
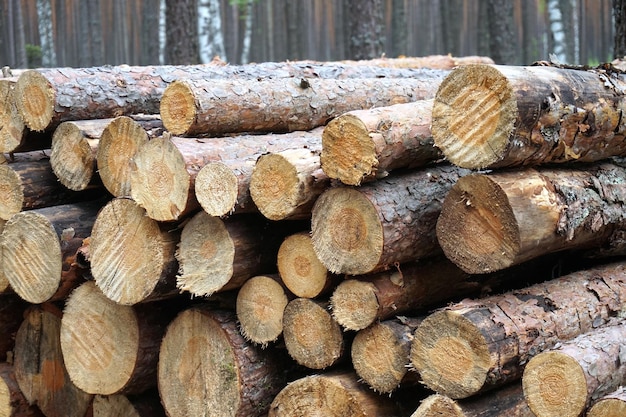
(12,401)
(497,116)
(611,405)
(12,310)
(429,61)
(5,287)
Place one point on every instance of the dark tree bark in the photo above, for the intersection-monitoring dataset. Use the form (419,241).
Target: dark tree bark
(149,33)
(181,32)
(399,43)
(501,37)
(619,12)
(451,15)
(366,29)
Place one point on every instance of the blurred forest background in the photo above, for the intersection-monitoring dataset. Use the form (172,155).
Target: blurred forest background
(82,33)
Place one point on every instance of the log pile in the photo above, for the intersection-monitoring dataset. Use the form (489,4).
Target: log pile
(291,239)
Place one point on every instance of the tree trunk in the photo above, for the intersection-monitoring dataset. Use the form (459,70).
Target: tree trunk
(181,31)
(613,404)
(563,381)
(361,230)
(12,401)
(12,310)
(39,250)
(498,116)
(363,145)
(502,39)
(131,255)
(477,345)
(39,368)
(207,368)
(366,29)
(619,44)
(210,28)
(492,221)
(144,405)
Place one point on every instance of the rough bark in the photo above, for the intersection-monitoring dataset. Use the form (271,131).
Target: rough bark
(619,14)
(442,62)
(206,367)
(191,107)
(365,26)
(144,405)
(12,401)
(564,380)
(480,344)
(392,220)
(491,221)
(499,116)
(39,250)
(131,255)
(12,310)
(39,368)
(335,393)
(363,145)
(611,405)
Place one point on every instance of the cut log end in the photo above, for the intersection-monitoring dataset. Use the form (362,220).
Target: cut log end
(450,354)
(299,268)
(71,157)
(178,109)
(12,192)
(473,116)
(12,131)
(354,304)
(275,187)
(348,152)
(554,385)
(612,405)
(346,231)
(34,98)
(216,189)
(113,405)
(440,406)
(477,229)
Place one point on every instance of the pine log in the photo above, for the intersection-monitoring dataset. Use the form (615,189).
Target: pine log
(335,393)
(505,402)
(361,230)
(12,401)
(430,61)
(363,145)
(611,405)
(564,380)
(217,255)
(111,348)
(312,337)
(131,255)
(497,116)
(39,368)
(39,250)
(117,147)
(380,354)
(190,107)
(300,269)
(492,221)
(144,405)
(206,367)
(261,301)
(480,344)
(12,310)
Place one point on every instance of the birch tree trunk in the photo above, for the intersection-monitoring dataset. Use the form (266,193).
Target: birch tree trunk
(210,31)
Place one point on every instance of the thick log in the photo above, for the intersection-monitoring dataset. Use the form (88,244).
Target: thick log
(564,380)
(111,348)
(39,368)
(12,401)
(429,61)
(144,405)
(497,116)
(131,255)
(192,107)
(492,221)
(335,393)
(39,250)
(480,344)
(312,337)
(380,354)
(611,405)
(363,145)
(12,310)
(361,230)
(300,269)
(206,367)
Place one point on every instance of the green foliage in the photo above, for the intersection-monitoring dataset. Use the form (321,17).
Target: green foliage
(33,55)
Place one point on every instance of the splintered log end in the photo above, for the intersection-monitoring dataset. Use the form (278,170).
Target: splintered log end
(31,256)
(451,354)
(554,385)
(275,187)
(117,147)
(477,228)
(437,405)
(12,131)
(473,116)
(299,268)
(12,192)
(348,151)
(354,304)
(72,158)
(205,254)
(261,302)
(35,99)
(216,189)
(313,339)
(346,231)
(178,108)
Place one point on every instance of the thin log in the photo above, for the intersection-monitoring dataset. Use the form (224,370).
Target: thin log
(492,221)
(206,367)
(497,116)
(144,405)
(363,145)
(481,344)
(39,368)
(12,401)
(611,405)
(39,250)
(12,310)
(564,380)
(131,255)
(361,230)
